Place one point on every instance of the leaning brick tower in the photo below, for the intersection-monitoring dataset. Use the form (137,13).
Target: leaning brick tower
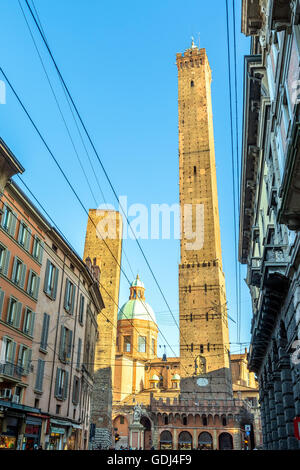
(204,337)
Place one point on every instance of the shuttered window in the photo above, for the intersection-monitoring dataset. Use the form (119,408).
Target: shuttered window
(28,324)
(69,297)
(18,272)
(4,260)
(65,348)
(24,236)
(40,375)
(51,279)
(38,249)
(24,359)
(2,295)
(14,310)
(33,284)
(9,220)
(45,330)
(61,384)
(76,390)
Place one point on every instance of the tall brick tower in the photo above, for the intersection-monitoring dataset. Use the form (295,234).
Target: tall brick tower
(204,338)
(108,256)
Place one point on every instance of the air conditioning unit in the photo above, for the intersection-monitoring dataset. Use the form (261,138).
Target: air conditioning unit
(5,393)
(16,399)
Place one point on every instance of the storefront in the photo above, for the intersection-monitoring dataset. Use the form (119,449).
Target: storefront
(56,438)
(75,437)
(9,433)
(32,435)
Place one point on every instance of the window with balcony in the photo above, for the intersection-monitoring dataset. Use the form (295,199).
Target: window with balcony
(69,297)
(24,359)
(51,279)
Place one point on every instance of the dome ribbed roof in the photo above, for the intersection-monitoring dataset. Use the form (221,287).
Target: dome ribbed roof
(136,309)
(137,282)
(176,377)
(154,377)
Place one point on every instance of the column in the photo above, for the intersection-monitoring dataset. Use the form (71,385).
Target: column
(288,401)
(175,439)
(279,412)
(215,439)
(273,419)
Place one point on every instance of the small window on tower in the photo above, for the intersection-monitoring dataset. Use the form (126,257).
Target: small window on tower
(127,343)
(192,82)
(195,170)
(201,348)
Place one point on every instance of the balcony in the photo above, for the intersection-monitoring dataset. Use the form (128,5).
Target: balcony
(290,188)
(254,274)
(11,371)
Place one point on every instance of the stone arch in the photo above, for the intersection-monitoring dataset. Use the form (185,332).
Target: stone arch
(225,441)
(147,423)
(205,440)
(185,441)
(166,440)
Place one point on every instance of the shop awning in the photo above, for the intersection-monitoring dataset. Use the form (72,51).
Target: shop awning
(61,422)
(57,430)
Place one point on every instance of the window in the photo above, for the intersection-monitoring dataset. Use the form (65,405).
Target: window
(33,284)
(24,235)
(18,272)
(65,344)
(45,330)
(204,420)
(61,384)
(201,348)
(51,278)
(161,381)
(13,316)
(69,297)
(40,375)
(37,249)
(127,343)
(8,351)
(184,420)
(76,389)
(192,83)
(142,344)
(4,259)
(57,409)
(24,359)
(28,323)
(36,402)
(224,422)
(81,309)
(9,220)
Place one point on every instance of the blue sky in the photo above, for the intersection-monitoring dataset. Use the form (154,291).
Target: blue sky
(118,59)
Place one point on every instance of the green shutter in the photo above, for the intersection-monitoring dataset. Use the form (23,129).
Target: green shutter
(41,252)
(21,347)
(66,385)
(57,382)
(28,361)
(17,318)
(14,218)
(62,343)
(70,344)
(13,273)
(6,262)
(22,280)
(32,319)
(37,286)
(66,295)
(27,239)
(29,280)
(1,301)
(44,337)
(55,283)
(40,375)
(78,353)
(4,208)
(46,275)
(12,353)
(73,299)
(21,228)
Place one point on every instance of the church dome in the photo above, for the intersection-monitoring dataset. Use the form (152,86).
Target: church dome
(176,377)
(155,378)
(136,307)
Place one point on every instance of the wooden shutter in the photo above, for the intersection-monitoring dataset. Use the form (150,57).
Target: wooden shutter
(41,252)
(32,320)
(28,361)
(27,238)
(70,336)
(13,273)
(1,301)
(58,371)
(46,275)
(44,337)
(23,274)
(29,281)
(12,353)
(78,353)
(73,299)
(66,294)
(14,218)
(6,262)
(66,385)
(21,228)
(62,343)
(55,283)
(17,316)
(40,375)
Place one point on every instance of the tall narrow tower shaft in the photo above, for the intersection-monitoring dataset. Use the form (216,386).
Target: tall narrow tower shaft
(204,338)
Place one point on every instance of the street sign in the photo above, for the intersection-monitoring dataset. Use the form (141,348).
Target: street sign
(297,427)
(248,427)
